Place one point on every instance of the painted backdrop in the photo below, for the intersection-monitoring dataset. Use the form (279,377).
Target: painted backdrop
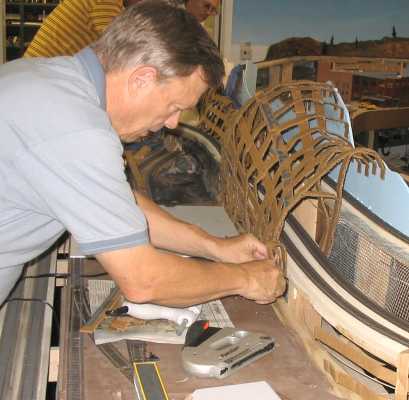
(264,22)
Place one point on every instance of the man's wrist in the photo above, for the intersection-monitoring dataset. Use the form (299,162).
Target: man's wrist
(245,280)
(212,246)
(235,279)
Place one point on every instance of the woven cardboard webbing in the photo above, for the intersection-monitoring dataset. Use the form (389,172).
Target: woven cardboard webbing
(215,111)
(276,150)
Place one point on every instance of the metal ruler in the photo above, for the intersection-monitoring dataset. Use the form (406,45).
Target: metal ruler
(146,377)
(148,381)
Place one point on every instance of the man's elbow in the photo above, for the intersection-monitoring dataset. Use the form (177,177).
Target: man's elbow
(141,294)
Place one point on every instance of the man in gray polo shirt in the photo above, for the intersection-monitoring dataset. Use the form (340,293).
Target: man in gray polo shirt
(62,123)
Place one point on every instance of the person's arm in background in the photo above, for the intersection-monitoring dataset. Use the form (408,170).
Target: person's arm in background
(146,275)
(103,12)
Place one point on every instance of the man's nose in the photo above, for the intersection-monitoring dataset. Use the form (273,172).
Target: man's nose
(211,9)
(173,120)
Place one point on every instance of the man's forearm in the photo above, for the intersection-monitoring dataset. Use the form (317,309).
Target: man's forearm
(146,275)
(170,233)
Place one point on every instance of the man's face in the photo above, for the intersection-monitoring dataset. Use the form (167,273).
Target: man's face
(202,9)
(150,105)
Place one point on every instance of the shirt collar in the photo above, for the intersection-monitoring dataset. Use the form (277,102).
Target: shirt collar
(96,74)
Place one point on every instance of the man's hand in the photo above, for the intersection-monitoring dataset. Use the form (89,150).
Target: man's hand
(146,275)
(266,281)
(239,249)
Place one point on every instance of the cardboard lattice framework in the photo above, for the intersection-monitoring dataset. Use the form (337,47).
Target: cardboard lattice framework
(275,151)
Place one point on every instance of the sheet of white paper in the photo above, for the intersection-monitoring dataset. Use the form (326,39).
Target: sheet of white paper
(254,390)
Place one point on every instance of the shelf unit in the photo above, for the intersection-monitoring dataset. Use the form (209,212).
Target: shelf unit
(2,32)
(22,20)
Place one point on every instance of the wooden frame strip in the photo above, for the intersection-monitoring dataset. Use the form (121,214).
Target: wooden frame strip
(401,391)
(356,355)
(347,382)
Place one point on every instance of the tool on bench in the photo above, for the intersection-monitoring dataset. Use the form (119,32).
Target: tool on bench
(142,368)
(148,381)
(115,306)
(218,352)
(183,317)
(146,377)
(111,302)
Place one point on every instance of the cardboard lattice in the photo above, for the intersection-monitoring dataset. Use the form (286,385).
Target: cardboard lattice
(275,151)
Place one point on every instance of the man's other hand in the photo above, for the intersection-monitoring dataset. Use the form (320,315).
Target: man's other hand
(239,249)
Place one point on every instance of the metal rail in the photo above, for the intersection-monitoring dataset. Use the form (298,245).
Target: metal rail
(74,340)
(26,334)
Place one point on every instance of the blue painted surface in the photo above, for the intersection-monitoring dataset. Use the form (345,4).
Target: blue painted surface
(387,198)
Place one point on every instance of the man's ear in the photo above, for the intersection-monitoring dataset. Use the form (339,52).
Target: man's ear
(141,77)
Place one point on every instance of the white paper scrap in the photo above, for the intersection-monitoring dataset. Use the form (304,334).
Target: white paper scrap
(216,314)
(256,390)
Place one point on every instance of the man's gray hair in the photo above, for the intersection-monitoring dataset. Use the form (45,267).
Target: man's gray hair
(168,38)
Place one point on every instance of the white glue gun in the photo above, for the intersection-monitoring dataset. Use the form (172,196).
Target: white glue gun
(183,317)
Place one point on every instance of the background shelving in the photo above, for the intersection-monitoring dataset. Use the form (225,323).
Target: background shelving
(22,20)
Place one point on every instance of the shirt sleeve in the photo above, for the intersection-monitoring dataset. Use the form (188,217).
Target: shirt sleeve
(81,182)
(103,12)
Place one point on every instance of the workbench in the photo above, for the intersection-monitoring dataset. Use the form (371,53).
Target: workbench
(287,368)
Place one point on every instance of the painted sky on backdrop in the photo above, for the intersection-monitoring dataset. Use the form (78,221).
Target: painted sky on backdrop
(270,21)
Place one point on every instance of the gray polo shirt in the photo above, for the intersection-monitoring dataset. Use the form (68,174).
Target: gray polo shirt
(61,165)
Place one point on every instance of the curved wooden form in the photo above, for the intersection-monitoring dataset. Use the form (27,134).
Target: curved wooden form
(337,325)
(275,152)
